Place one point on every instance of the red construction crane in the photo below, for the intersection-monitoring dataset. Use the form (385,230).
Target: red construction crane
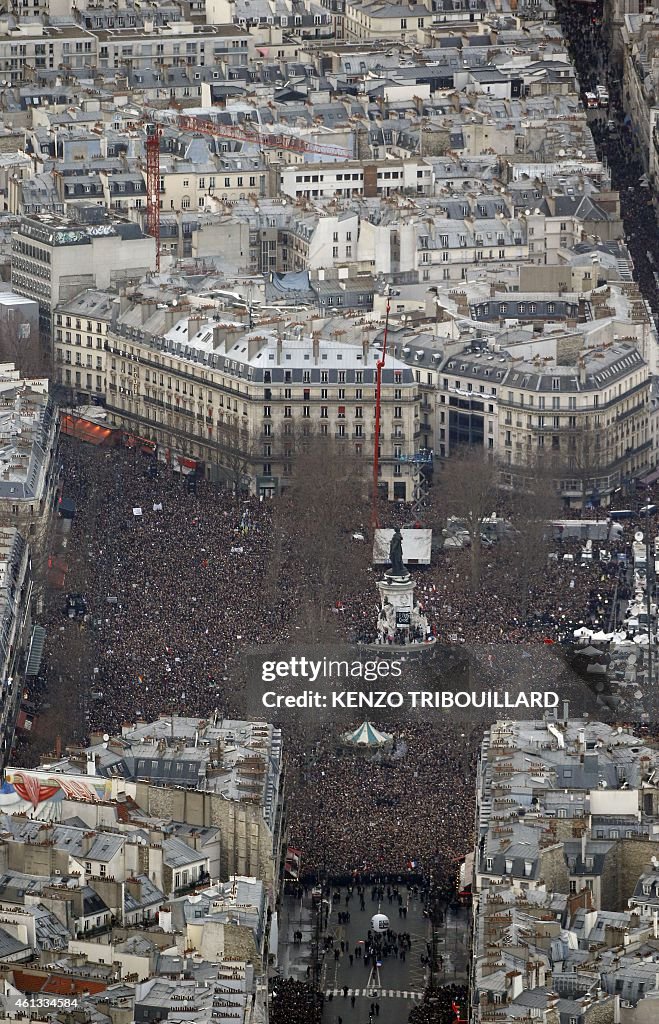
(153,133)
(205,126)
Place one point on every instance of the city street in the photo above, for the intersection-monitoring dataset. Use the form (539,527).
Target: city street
(388,994)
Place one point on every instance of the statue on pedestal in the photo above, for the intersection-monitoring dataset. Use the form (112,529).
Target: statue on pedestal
(398,568)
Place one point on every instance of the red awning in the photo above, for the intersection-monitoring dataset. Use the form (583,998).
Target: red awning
(85,430)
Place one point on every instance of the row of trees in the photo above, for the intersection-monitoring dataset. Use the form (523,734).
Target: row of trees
(329,499)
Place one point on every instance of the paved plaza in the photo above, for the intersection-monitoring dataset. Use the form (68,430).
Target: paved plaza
(354,992)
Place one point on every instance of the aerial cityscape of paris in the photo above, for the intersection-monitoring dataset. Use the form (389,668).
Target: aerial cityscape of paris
(329,512)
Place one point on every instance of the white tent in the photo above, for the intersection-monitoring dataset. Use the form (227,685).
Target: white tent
(367,736)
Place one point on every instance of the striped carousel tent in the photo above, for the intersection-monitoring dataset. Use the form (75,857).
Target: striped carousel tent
(367,736)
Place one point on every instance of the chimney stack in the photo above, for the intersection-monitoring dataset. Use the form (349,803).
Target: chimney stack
(170,317)
(219,336)
(193,326)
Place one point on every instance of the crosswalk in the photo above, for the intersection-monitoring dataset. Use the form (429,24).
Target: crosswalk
(373,993)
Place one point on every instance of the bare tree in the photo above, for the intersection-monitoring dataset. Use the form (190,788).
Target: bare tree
(534,503)
(236,451)
(325,503)
(585,456)
(468,488)
(20,344)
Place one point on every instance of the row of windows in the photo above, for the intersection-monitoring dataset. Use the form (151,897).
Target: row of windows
(78,339)
(68,379)
(32,268)
(324,412)
(77,323)
(65,356)
(324,394)
(33,251)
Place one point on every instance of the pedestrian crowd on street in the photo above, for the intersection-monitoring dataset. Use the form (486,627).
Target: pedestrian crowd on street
(175,597)
(444,1005)
(295,1002)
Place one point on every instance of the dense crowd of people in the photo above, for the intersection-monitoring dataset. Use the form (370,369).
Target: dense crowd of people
(175,597)
(172,581)
(446,1005)
(358,813)
(295,1002)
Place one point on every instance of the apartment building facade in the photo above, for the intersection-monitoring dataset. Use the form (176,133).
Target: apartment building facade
(237,401)
(54,258)
(29,471)
(351,178)
(590,419)
(15,621)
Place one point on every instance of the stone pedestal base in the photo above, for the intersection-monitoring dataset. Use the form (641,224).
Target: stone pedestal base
(397,594)
(400,621)
(397,603)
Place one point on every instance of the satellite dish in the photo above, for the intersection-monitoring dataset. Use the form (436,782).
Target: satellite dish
(106,737)
(638,536)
